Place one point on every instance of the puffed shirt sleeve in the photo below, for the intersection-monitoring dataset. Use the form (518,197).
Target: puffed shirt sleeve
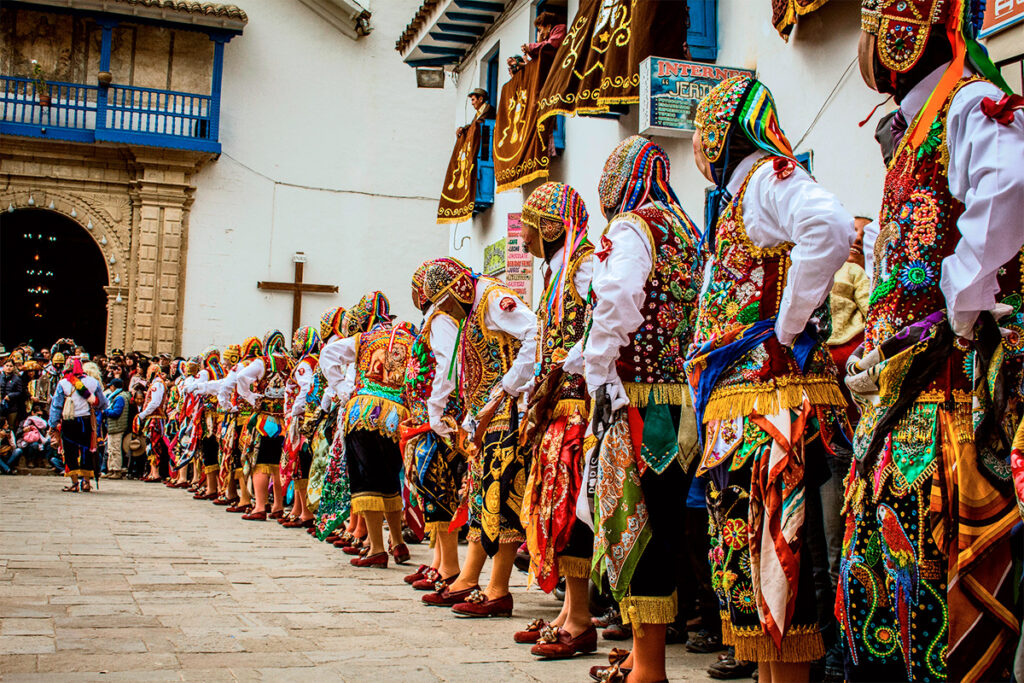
(245,379)
(986,174)
(225,386)
(797,209)
(443,333)
(334,361)
(154,402)
(521,323)
(303,378)
(618,283)
(327,399)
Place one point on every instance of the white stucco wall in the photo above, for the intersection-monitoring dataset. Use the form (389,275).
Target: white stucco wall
(800,73)
(357,153)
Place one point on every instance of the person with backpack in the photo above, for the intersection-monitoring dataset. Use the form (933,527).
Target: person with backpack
(116,417)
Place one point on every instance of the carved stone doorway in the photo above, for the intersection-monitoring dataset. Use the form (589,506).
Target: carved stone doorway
(53,280)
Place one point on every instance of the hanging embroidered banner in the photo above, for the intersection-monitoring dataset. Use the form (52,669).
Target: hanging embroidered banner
(458,194)
(598,63)
(521,153)
(786,12)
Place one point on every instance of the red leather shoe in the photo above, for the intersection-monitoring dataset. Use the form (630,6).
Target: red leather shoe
(416,575)
(205,496)
(295,523)
(352,549)
(255,516)
(226,501)
(380,560)
(477,605)
(560,645)
(447,598)
(401,553)
(531,634)
(276,514)
(434,582)
(237,507)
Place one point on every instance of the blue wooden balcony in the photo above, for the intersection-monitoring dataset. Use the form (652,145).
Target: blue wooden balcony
(115,113)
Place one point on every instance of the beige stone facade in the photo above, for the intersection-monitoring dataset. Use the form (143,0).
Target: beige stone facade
(134,202)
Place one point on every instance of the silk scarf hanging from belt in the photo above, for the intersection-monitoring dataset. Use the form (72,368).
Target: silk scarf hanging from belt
(598,63)
(521,152)
(458,194)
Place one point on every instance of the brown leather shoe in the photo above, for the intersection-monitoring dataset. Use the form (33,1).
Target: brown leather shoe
(416,575)
(380,561)
(477,605)
(531,634)
(401,553)
(560,645)
(447,598)
(255,516)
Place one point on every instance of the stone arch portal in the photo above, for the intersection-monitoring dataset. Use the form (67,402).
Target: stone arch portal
(54,280)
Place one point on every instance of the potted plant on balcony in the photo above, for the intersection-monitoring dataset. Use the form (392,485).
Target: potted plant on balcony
(42,88)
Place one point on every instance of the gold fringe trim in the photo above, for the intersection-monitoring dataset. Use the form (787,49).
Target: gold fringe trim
(642,394)
(84,474)
(210,469)
(301,483)
(473,535)
(436,527)
(371,502)
(574,567)
(656,609)
(568,407)
(727,638)
(266,469)
(804,645)
(239,472)
(731,403)
(513,184)
(511,536)
(457,219)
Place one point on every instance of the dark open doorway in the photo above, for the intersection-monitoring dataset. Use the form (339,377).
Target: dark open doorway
(52,276)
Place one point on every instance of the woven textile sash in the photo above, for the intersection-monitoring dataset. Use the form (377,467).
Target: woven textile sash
(458,194)
(520,151)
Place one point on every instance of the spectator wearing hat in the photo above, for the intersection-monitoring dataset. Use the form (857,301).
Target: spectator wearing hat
(116,417)
(478,98)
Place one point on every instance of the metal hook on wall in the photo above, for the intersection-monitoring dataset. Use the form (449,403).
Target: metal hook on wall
(454,237)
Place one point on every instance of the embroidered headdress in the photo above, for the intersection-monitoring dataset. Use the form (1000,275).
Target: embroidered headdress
(273,342)
(565,214)
(449,276)
(419,300)
(177,368)
(193,365)
(211,361)
(232,352)
(636,173)
(305,341)
(251,347)
(372,309)
(330,323)
(902,29)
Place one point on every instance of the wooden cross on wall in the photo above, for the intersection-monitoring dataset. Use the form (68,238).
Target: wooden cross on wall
(297,288)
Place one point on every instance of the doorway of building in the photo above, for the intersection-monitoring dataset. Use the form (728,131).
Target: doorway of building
(52,275)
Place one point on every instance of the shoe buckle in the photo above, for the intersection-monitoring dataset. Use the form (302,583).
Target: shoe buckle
(477,597)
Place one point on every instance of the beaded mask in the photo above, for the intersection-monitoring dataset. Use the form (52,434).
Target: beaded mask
(620,170)
(273,342)
(330,322)
(177,368)
(251,347)
(419,299)
(744,102)
(193,365)
(211,361)
(305,341)
(902,28)
(561,205)
(232,352)
(449,276)
(372,309)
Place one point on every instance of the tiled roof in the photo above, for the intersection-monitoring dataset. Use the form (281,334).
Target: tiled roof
(214,9)
(416,24)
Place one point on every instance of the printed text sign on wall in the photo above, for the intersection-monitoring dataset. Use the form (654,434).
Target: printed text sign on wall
(518,261)
(1000,14)
(671,89)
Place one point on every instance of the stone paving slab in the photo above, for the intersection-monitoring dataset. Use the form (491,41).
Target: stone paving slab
(137,582)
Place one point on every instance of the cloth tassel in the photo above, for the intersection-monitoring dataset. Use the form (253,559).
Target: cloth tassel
(672,394)
(772,401)
(657,609)
(372,503)
(266,469)
(569,407)
(758,647)
(574,567)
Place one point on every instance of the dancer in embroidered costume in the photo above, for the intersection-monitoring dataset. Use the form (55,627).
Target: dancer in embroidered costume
(555,230)
(73,410)
(926,581)
(208,420)
(765,387)
(268,374)
(324,419)
(302,398)
(227,483)
(150,423)
(434,463)
(371,412)
(237,441)
(644,299)
(496,352)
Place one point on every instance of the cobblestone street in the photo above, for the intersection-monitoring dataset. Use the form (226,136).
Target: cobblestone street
(138,582)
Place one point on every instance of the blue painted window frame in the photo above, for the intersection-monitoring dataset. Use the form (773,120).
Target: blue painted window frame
(702,35)
(484,169)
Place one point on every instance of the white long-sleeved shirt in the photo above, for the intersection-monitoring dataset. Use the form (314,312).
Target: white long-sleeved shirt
(154,401)
(444,332)
(245,378)
(302,379)
(795,209)
(985,172)
(519,322)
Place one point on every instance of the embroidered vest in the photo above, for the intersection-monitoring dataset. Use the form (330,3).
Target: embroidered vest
(315,394)
(744,285)
(276,371)
(557,337)
(651,365)
(382,355)
(419,378)
(485,355)
(237,402)
(161,411)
